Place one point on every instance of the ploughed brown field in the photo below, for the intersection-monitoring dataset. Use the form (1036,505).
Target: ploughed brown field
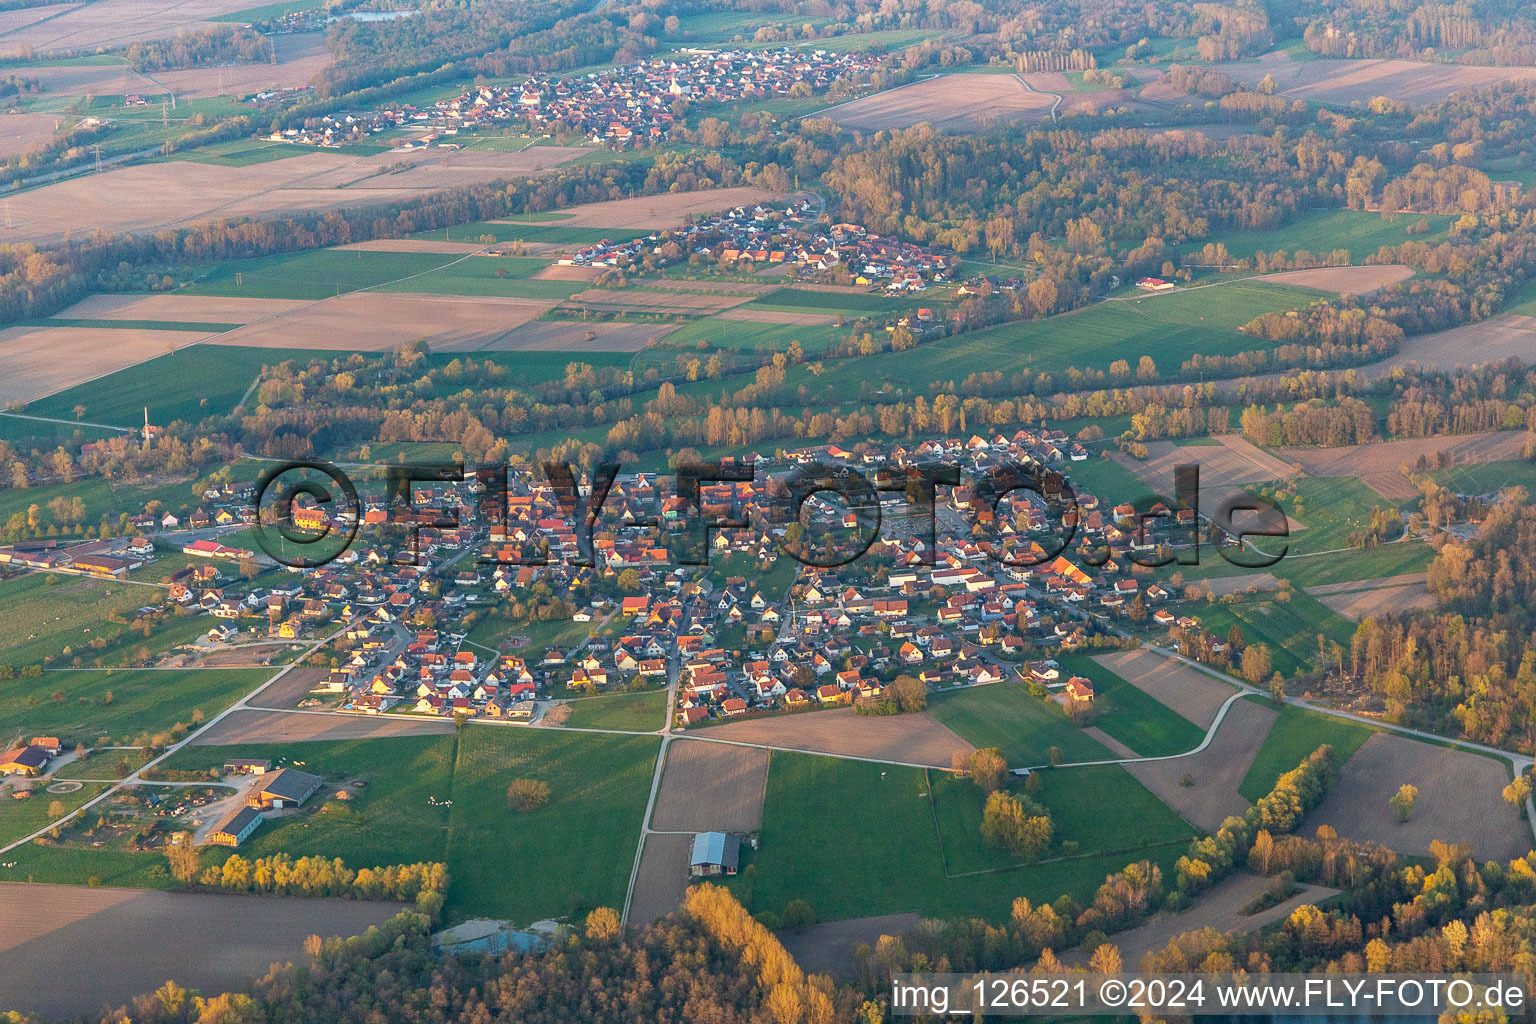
(253,726)
(642,300)
(383,321)
(1468,345)
(22,132)
(1338,80)
(147,197)
(174,307)
(828,948)
(778,316)
(1459,800)
(39,361)
(1361,599)
(576,336)
(1194,695)
(656,213)
(662,881)
(960,103)
(1221,909)
(909,739)
(300,57)
(1215,773)
(294,686)
(1379,465)
(1344,280)
(1221,586)
(1230,464)
(711,787)
(71,950)
(87,26)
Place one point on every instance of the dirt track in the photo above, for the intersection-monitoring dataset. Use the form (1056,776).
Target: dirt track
(911,739)
(1214,773)
(1459,799)
(70,950)
(711,787)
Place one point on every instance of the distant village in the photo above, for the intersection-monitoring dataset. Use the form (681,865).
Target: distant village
(637,104)
(734,643)
(790,237)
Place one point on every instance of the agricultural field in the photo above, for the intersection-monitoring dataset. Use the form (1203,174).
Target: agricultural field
(1186,692)
(711,787)
(1341,81)
(312,274)
(47,613)
(598,787)
(821,811)
(1204,788)
(1361,599)
(1322,231)
(1174,326)
(1005,716)
(913,739)
(121,704)
(1458,799)
(635,712)
(188,384)
(149,196)
(1344,280)
(39,361)
(1379,466)
(1296,733)
(1130,715)
(958,103)
(1288,626)
(1487,478)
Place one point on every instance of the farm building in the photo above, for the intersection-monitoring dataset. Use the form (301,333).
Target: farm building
(247,766)
(715,853)
(28,760)
(283,788)
(236,827)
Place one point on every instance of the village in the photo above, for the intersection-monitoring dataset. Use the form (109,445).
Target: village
(426,629)
(789,237)
(633,105)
